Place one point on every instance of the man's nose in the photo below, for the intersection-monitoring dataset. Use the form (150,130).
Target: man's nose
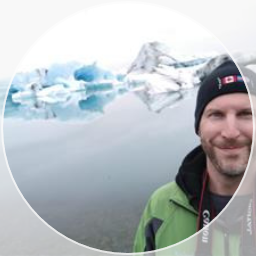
(230,129)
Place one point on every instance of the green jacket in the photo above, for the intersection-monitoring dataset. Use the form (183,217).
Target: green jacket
(171,216)
(167,219)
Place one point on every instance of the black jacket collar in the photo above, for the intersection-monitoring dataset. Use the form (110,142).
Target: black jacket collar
(190,175)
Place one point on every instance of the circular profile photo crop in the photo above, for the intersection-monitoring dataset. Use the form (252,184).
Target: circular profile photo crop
(99,124)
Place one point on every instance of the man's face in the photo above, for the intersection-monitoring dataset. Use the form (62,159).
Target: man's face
(226,130)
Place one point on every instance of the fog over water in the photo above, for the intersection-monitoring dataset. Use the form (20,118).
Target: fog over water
(91,181)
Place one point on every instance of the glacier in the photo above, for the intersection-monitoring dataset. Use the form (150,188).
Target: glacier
(159,77)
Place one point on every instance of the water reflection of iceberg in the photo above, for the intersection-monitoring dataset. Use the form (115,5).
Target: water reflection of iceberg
(96,103)
(160,101)
(84,103)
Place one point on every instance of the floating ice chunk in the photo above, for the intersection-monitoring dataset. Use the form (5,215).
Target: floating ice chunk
(56,93)
(53,94)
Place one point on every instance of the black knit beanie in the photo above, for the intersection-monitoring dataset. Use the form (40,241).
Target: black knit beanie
(223,80)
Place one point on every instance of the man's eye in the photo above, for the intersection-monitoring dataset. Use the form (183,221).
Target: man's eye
(216,114)
(245,114)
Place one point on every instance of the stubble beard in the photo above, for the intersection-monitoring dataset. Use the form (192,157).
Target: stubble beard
(229,166)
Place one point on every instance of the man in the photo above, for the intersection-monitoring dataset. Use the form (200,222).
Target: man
(211,173)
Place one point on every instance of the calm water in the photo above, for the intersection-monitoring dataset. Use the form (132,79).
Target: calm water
(91,181)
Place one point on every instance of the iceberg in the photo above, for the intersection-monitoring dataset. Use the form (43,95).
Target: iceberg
(163,70)
(60,72)
(93,73)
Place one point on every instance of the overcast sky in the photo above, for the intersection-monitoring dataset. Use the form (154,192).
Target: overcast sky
(113,35)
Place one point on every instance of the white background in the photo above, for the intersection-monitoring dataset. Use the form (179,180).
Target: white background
(21,25)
